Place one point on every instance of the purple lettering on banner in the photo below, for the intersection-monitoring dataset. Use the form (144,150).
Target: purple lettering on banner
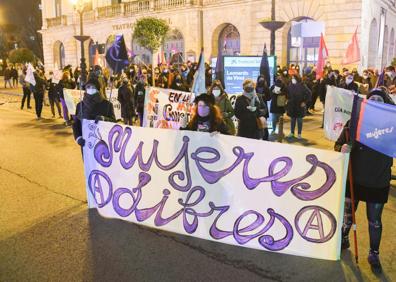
(96,186)
(144,178)
(212,177)
(316,212)
(118,142)
(267,241)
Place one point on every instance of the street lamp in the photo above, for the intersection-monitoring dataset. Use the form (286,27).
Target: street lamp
(272,25)
(79,6)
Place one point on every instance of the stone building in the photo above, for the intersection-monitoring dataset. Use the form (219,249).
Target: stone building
(231,26)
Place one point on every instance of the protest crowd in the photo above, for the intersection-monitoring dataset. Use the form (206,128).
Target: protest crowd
(294,92)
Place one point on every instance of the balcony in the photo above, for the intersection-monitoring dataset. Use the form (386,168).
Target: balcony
(58,21)
(109,11)
(135,7)
(126,9)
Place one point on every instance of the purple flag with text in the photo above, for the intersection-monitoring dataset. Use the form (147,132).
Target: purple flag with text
(375,125)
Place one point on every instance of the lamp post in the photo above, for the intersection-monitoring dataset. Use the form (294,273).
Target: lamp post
(272,25)
(79,6)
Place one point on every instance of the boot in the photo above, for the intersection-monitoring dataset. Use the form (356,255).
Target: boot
(374,261)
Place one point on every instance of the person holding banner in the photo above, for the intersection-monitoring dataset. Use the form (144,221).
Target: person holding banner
(206,118)
(224,104)
(92,107)
(68,83)
(371,173)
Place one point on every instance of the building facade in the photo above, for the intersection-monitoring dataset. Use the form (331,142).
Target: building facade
(228,26)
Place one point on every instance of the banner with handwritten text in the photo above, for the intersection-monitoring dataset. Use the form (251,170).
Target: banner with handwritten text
(73,96)
(165,108)
(262,195)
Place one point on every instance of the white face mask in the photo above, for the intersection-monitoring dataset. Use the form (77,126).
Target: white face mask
(348,80)
(216,92)
(294,81)
(91,91)
(390,74)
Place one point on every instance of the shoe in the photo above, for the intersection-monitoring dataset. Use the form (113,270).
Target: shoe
(309,113)
(53,116)
(273,132)
(374,261)
(29,107)
(299,136)
(59,116)
(291,135)
(345,243)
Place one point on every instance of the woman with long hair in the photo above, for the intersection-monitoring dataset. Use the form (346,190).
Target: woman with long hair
(207,116)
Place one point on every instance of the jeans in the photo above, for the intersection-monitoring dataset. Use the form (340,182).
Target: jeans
(9,83)
(293,125)
(374,212)
(26,95)
(275,120)
(54,102)
(38,99)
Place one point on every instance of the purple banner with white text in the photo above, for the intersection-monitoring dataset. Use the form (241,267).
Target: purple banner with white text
(250,193)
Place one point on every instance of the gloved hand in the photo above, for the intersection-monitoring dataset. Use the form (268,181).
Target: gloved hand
(99,118)
(80,141)
(251,108)
(346,148)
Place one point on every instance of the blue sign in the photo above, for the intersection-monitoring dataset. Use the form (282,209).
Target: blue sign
(239,68)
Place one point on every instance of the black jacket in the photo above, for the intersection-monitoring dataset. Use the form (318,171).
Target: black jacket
(52,92)
(104,108)
(247,124)
(351,86)
(126,99)
(275,108)
(298,95)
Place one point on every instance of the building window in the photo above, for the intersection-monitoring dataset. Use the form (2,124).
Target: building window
(230,41)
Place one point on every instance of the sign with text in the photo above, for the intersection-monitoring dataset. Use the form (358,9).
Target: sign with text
(165,108)
(262,195)
(338,109)
(239,68)
(73,97)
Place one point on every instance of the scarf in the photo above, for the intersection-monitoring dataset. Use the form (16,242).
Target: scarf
(251,96)
(90,101)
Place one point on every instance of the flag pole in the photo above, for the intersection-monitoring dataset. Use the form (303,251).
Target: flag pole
(352,192)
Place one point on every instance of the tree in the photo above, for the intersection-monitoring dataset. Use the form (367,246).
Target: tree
(21,56)
(150,33)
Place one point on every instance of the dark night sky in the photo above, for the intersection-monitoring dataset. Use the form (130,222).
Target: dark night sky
(26,16)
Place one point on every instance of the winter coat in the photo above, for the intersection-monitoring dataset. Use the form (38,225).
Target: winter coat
(140,93)
(227,110)
(298,97)
(52,91)
(351,86)
(104,108)
(247,124)
(126,99)
(275,108)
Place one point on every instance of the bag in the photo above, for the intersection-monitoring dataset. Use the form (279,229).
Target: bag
(261,122)
(281,100)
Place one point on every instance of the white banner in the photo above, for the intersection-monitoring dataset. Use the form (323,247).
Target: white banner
(268,196)
(165,108)
(338,109)
(73,96)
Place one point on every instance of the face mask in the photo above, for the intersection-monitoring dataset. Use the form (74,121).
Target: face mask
(285,72)
(216,92)
(203,111)
(365,76)
(389,73)
(349,80)
(91,91)
(294,81)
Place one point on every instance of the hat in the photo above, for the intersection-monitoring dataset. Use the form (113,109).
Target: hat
(208,99)
(93,81)
(379,92)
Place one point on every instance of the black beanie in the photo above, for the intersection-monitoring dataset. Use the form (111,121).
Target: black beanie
(208,99)
(93,81)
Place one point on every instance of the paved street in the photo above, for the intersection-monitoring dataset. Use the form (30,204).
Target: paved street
(48,234)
